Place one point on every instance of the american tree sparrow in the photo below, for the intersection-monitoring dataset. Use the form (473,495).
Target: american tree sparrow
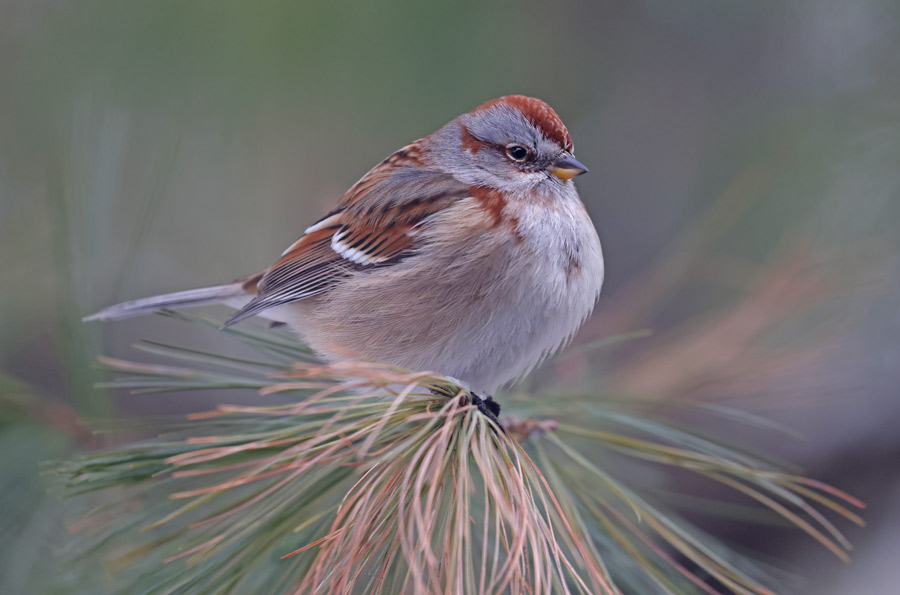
(467,253)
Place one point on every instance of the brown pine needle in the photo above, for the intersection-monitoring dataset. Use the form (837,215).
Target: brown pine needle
(369,480)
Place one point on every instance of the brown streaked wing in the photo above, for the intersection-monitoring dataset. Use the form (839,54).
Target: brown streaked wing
(371,227)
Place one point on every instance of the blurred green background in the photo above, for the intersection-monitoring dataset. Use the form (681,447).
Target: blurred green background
(745,181)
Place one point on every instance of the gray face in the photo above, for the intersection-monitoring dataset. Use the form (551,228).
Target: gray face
(506,132)
(499,148)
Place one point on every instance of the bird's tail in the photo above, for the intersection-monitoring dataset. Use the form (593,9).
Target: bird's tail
(233,294)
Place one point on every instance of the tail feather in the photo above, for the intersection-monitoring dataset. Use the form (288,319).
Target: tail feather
(180,299)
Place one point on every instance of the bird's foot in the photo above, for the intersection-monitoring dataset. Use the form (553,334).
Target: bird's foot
(489,408)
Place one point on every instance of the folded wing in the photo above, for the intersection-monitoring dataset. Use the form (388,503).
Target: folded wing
(374,225)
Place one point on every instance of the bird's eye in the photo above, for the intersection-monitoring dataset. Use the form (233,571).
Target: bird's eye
(517,152)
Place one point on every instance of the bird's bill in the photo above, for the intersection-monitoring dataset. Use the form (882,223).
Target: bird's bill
(566,167)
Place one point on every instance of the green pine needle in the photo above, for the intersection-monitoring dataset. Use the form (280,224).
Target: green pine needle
(372,481)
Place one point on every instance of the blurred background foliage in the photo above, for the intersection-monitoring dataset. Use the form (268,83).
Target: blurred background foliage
(744,180)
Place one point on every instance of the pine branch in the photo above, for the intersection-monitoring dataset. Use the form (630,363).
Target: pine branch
(371,481)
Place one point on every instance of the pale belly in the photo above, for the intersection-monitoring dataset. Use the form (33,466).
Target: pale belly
(485,315)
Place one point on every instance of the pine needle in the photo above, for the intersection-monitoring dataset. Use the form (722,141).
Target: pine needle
(372,481)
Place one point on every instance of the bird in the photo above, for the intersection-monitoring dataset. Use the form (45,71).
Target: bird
(467,253)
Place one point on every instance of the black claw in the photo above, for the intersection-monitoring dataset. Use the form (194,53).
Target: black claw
(492,406)
(489,408)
